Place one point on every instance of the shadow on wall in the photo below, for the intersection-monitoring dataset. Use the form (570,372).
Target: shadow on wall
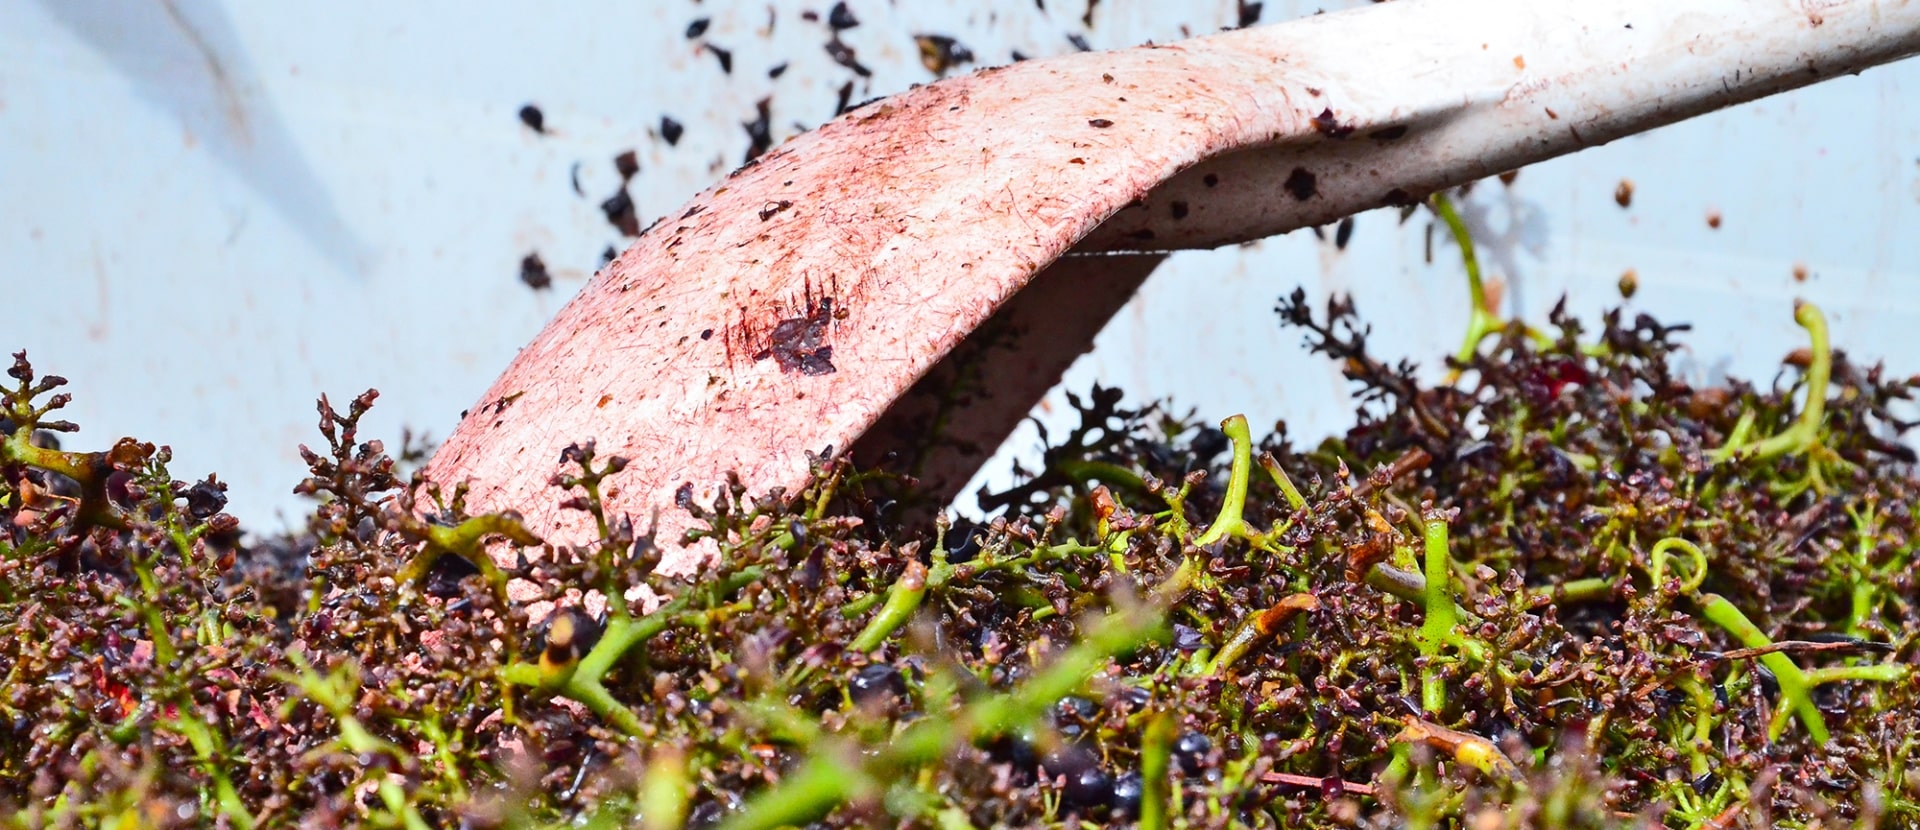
(183,57)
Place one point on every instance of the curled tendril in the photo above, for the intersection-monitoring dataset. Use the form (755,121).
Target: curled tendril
(1660,556)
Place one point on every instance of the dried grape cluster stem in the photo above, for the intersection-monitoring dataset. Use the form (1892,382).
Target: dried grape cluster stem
(1564,589)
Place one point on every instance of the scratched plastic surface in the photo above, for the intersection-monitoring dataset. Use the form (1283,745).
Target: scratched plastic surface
(217,212)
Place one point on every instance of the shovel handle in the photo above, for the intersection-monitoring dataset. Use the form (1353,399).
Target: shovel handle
(786,308)
(1412,97)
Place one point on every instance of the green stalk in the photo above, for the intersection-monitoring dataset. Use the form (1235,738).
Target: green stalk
(1114,634)
(1280,478)
(821,784)
(591,694)
(335,693)
(207,745)
(1796,690)
(1703,719)
(1110,474)
(1480,321)
(903,601)
(1877,673)
(623,633)
(89,470)
(904,598)
(463,540)
(663,791)
(1230,521)
(1156,750)
(1441,614)
(830,779)
(1177,582)
(1742,430)
(1865,596)
(148,605)
(395,800)
(1591,589)
(18,447)
(862,605)
(1805,432)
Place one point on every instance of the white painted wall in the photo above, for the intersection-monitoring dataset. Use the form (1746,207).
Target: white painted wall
(210,211)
